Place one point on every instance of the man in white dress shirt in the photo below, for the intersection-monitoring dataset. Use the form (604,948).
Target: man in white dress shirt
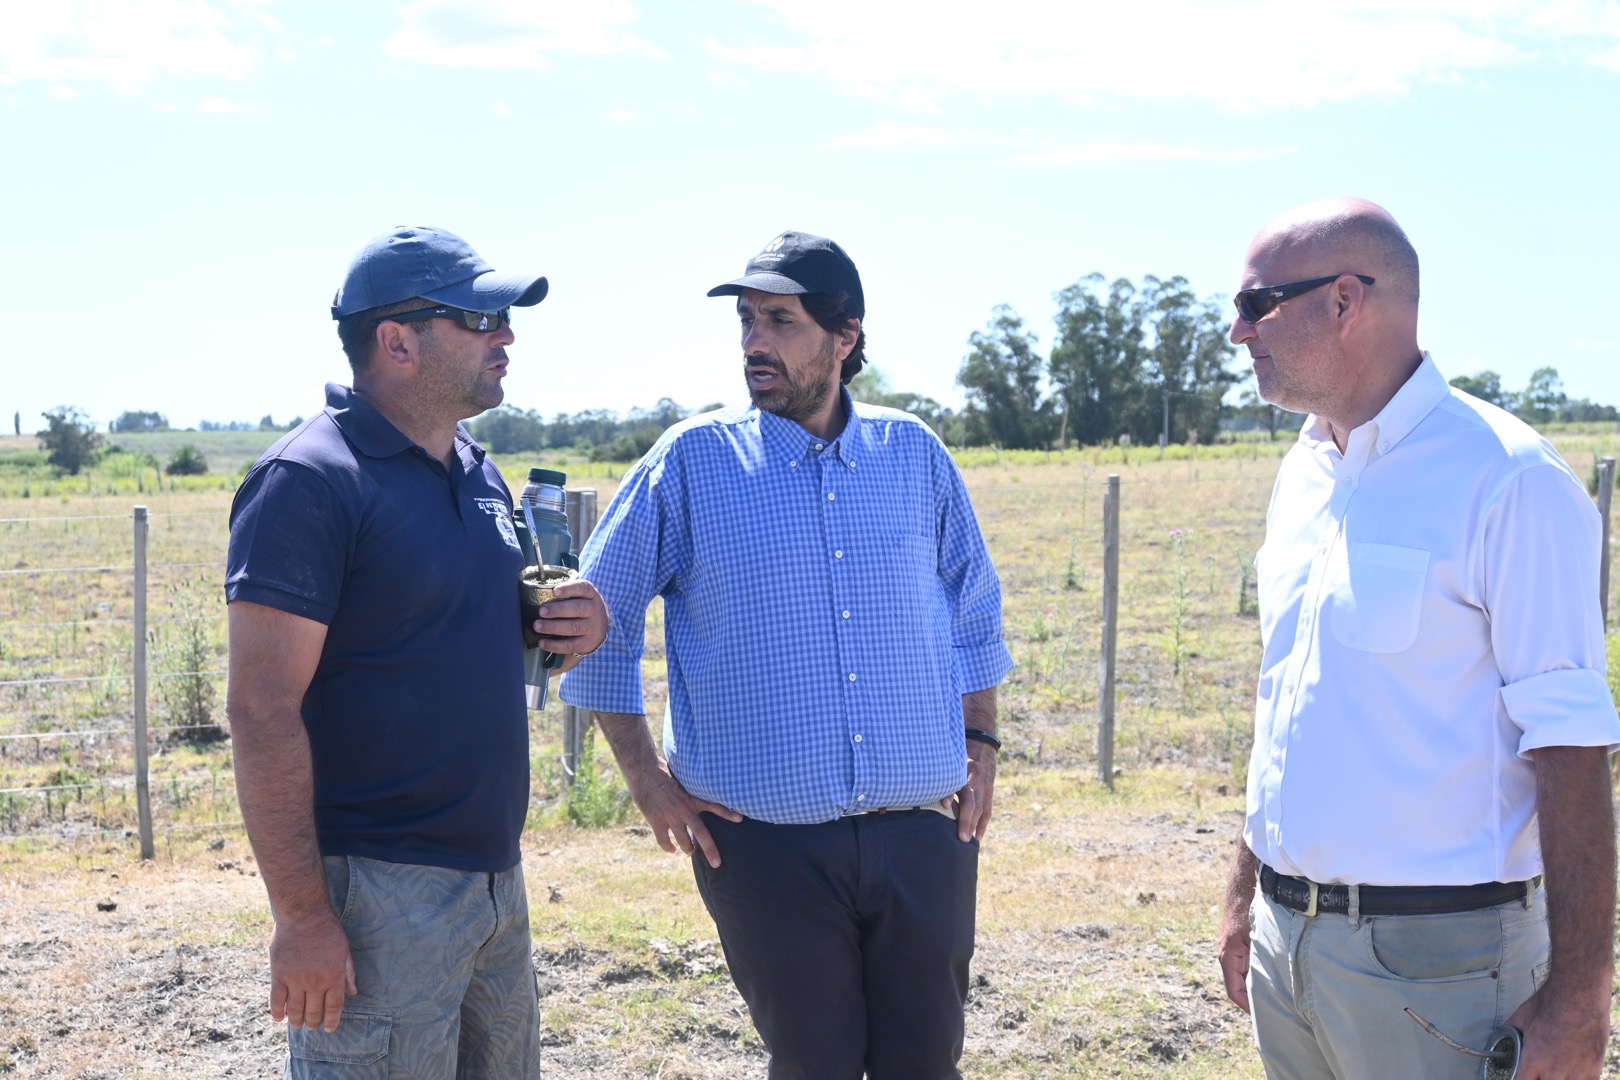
(1430,822)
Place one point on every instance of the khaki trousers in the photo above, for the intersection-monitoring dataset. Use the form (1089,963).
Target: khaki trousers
(1327,993)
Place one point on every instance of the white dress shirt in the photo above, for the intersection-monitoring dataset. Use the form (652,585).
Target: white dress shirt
(1429,614)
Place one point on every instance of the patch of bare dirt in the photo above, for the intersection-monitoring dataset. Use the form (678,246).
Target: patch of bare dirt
(126,970)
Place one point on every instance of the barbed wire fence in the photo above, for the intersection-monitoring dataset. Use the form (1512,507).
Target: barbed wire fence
(75,676)
(80,662)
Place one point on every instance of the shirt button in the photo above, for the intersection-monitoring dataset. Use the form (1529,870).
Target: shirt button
(831,495)
(818,446)
(852,676)
(1383,448)
(793,464)
(839,554)
(860,798)
(857,738)
(845,614)
(852,464)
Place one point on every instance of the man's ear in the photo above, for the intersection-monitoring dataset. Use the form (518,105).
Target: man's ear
(847,336)
(394,344)
(1349,302)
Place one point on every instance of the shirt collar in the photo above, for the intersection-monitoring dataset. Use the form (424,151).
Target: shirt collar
(1415,400)
(370,431)
(791,442)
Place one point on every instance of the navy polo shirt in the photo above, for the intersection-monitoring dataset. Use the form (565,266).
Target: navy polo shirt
(416,718)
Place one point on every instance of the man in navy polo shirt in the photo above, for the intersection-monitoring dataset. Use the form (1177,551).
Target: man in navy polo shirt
(376,686)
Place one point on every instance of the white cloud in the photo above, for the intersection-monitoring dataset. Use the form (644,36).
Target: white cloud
(125,44)
(510,34)
(1107,153)
(1259,55)
(621,116)
(889,136)
(218,105)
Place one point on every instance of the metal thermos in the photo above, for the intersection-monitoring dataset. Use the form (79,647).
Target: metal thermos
(545,508)
(543,534)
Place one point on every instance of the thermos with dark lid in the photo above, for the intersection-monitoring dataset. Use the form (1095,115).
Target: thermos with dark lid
(542,528)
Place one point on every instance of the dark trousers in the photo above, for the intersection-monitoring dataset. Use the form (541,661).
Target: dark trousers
(849,940)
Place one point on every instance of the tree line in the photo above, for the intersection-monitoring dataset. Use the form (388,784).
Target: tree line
(139,421)
(1146,362)
(1139,363)
(1542,401)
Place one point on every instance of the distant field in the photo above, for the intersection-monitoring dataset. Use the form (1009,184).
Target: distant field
(228,452)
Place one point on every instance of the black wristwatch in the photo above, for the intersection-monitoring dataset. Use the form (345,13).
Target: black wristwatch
(978,735)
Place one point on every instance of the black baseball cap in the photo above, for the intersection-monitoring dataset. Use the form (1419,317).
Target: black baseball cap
(797,263)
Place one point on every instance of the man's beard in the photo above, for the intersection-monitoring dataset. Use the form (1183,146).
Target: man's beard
(473,392)
(793,400)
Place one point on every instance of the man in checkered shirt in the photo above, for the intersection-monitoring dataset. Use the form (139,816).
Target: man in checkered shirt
(833,634)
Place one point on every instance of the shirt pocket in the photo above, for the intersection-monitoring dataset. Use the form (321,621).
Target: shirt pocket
(1377,602)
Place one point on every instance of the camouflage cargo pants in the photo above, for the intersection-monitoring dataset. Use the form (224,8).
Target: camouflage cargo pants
(445,976)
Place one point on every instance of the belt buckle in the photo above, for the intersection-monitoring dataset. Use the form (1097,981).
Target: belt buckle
(1310,906)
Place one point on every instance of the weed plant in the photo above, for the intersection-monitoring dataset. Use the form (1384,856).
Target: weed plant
(186,661)
(598,799)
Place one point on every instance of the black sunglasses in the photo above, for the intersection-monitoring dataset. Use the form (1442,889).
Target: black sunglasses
(481,322)
(1255,304)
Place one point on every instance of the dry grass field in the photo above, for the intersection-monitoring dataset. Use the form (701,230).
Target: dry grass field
(1098,907)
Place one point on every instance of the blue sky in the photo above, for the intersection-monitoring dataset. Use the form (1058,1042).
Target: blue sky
(185,180)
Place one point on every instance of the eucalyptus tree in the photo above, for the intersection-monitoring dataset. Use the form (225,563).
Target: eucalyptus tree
(1006,404)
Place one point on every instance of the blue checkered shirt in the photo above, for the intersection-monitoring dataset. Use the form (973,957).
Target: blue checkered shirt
(826,606)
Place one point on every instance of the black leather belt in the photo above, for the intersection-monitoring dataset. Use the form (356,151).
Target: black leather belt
(1309,898)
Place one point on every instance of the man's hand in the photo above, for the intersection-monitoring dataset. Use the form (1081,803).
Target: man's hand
(676,816)
(1234,957)
(1566,1022)
(1564,1037)
(575,623)
(1233,950)
(311,971)
(972,803)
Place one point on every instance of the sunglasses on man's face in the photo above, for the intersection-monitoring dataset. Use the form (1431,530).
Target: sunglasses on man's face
(1255,304)
(480,322)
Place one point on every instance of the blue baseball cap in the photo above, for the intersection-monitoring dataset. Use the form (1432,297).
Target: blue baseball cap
(795,263)
(414,260)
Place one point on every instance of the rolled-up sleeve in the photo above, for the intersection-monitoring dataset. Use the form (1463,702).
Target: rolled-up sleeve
(629,560)
(980,658)
(1539,553)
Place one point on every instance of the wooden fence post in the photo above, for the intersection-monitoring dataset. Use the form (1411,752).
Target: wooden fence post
(581,504)
(1605,502)
(143,796)
(1110,630)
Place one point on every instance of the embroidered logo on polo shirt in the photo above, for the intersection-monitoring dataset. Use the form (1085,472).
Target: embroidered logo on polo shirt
(502,514)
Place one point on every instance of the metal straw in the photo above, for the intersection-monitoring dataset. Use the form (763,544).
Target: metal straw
(1501,1060)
